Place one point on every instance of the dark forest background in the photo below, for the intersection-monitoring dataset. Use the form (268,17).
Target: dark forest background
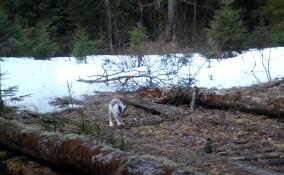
(47,28)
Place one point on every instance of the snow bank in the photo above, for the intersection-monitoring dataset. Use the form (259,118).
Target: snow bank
(45,80)
(244,70)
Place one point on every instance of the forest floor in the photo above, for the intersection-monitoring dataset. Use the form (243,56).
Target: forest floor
(208,141)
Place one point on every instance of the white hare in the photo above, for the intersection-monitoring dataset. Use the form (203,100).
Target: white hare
(117,110)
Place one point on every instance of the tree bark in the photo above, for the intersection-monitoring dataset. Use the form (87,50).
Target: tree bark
(194,17)
(109,24)
(21,166)
(77,152)
(264,99)
(172,20)
(206,13)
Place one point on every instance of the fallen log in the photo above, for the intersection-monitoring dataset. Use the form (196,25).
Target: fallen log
(273,162)
(20,165)
(252,169)
(78,152)
(166,111)
(264,99)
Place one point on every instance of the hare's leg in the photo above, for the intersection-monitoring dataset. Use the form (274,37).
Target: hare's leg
(118,119)
(110,122)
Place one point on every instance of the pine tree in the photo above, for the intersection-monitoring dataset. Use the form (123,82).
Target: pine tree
(83,45)
(138,38)
(6,45)
(43,47)
(227,31)
(4,23)
(273,13)
(261,38)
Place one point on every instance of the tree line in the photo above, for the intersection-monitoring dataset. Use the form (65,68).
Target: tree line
(46,28)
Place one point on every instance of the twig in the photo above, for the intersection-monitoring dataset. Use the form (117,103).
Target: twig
(193,98)
(253,73)
(54,121)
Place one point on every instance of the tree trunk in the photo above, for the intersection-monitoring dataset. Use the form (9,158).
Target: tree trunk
(194,17)
(206,14)
(77,152)
(265,99)
(172,21)
(109,24)
(141,12)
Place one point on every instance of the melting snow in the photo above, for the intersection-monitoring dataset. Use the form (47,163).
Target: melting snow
(45,80)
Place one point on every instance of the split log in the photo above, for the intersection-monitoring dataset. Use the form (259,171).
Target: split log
(78,152)
(167,111)
(264,99)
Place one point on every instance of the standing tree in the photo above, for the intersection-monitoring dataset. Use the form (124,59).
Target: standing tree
(7,94)
(227,32)
(7,45)
(84,46)
(172,21)
(109,24)
(262,38)
(43,46)
(138,39)
(4,23)
(273,14)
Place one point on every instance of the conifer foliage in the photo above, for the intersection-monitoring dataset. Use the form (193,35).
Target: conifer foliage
(227,31)
(47,28)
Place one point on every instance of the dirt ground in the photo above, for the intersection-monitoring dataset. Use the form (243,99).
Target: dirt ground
(208,141)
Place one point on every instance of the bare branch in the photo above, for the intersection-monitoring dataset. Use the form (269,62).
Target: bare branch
(253,73)
(191,3)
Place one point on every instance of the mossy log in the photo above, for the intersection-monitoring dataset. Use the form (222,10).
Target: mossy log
(264,99)
(78,152)
(21,165)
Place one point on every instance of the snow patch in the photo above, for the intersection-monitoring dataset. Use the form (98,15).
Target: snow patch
(45,80)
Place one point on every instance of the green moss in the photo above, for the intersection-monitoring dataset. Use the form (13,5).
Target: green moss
(49,134)
(72,136)
(4,155)
(14,165)
(208,147)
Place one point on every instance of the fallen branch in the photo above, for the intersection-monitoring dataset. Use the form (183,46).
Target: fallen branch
(106,79)
(63,102)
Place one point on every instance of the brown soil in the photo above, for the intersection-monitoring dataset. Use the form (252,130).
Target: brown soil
(241,143)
